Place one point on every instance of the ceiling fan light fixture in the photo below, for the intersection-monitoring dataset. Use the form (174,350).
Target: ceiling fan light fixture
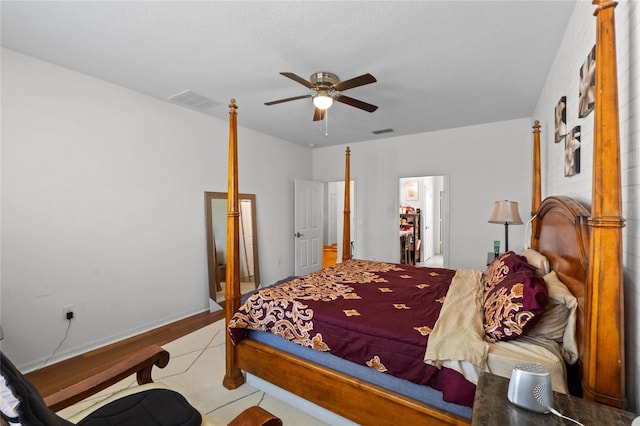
(327,88)
(322,101)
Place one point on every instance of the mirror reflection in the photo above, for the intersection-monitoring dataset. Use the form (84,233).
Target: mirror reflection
(216,214)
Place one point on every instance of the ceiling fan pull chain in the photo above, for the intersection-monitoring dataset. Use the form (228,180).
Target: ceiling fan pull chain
(326,124)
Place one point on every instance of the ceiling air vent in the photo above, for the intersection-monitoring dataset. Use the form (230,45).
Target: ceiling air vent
(381,131)
(193,100)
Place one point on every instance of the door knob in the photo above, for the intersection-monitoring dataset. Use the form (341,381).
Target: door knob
(298,235)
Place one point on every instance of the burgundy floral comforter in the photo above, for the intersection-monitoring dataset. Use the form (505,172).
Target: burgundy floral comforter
(371,313)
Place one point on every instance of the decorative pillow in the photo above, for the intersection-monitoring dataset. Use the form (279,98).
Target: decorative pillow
(514,305)
(558,321)
(537,260)
(503,265)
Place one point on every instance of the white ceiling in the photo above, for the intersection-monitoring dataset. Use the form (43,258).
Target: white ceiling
(439,64)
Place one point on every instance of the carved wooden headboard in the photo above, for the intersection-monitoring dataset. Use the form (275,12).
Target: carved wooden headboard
(561,233)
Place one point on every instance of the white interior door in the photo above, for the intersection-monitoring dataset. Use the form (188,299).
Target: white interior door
(428,238)
(308,224)
(332,220)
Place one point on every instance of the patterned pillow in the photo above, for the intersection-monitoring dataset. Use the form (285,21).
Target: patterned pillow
(514,305)
(503,265)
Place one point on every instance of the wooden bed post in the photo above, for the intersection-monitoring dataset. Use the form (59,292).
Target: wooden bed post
(233,376)
(604,380)
(346,220)
(536,191)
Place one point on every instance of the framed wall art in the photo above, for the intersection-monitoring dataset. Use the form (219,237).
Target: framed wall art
(572,152)
(561,119)
(586,95)
(411,191)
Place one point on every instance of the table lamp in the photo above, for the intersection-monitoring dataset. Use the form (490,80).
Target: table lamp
(505,212)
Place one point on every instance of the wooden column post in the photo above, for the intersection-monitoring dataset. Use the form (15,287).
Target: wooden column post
(536,190)
(603,380)
(233,376)
(346,219)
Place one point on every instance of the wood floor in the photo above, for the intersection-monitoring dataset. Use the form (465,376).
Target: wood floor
(65,373)
(329,255)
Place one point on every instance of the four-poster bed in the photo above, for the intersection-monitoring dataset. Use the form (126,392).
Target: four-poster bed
(583,248)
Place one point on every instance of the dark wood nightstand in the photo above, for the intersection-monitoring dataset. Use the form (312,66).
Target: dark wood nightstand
(491,407)
(491,256)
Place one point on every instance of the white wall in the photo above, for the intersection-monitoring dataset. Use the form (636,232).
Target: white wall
(475,178)
(563,81)
(103,207)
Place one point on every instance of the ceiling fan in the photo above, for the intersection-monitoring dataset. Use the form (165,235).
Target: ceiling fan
(328,88)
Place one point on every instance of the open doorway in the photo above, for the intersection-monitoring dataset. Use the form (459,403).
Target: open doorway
(422,220)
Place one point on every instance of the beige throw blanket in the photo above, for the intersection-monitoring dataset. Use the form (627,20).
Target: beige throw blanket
(458,335)
(457,339)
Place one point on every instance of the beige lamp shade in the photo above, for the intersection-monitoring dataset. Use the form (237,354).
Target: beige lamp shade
(505,212)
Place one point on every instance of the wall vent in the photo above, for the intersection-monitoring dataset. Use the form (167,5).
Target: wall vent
(381,131)
(193,100)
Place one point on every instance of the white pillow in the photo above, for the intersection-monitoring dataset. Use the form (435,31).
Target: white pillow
(538,260)
(559,319)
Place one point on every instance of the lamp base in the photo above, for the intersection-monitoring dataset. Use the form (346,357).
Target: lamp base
(506,237)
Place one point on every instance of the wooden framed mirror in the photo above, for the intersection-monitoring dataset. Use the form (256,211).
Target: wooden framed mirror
(216,217)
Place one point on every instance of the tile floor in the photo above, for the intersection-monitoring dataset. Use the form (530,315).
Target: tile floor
(196,370)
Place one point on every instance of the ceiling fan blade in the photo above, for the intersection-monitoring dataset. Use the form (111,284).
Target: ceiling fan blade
(295,98)
(318,114)
(298,79)
(354,82)
(356,103)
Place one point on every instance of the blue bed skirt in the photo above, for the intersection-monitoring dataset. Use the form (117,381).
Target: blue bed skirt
(420,393)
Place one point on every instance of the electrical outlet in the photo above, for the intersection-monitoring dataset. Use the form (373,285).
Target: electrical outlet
(68,311)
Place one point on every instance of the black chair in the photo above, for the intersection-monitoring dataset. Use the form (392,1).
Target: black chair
(149,403)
